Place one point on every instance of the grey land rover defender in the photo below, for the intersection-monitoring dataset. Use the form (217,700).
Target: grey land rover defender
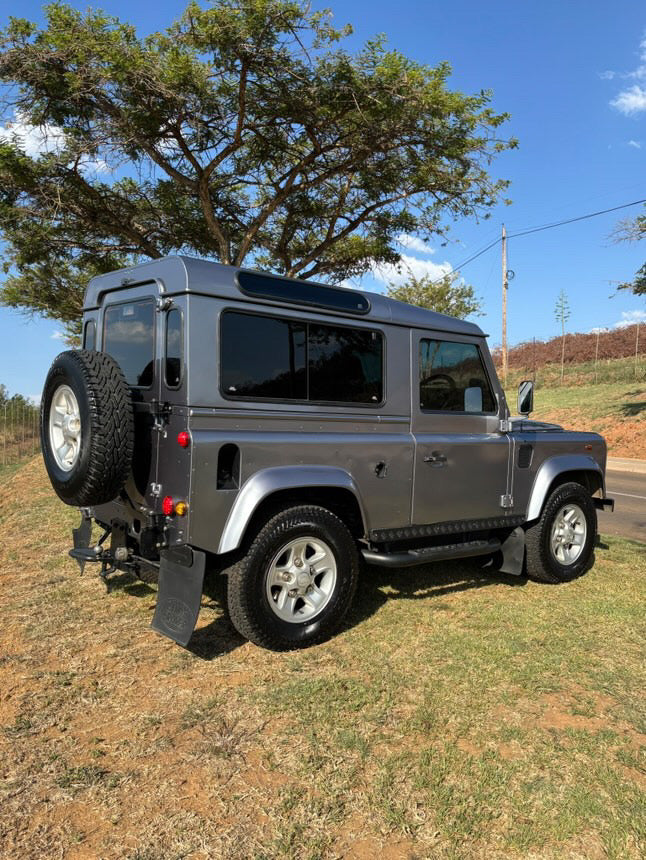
(281,432)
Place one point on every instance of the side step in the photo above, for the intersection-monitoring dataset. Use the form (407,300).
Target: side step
(410,557)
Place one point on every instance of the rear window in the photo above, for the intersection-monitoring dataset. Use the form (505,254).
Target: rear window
(174,345)
(89,335)
(128,336)
(270,358)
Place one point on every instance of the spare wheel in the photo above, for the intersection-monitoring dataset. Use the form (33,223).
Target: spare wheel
(86,427)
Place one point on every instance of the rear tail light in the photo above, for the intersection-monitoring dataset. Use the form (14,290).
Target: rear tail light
(170,507)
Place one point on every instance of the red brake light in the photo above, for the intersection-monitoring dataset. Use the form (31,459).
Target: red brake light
(184,439)
(167,506)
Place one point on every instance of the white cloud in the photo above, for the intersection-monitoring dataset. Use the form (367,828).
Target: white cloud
(390,273)
(633,99)
(630,318)
(414,243)
(630,101)
(607,75)
(58,335)
(635,144)
(37,140)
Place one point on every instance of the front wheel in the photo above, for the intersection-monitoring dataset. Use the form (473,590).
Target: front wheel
(296,582)
(560,545)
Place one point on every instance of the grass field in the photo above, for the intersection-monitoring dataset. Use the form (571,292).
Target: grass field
(617,410)
(455,716)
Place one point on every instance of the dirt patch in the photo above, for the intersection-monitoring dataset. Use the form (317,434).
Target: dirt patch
(625,437)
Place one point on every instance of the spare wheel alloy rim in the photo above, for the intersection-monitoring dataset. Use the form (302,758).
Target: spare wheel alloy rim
(65,428)
(301,579)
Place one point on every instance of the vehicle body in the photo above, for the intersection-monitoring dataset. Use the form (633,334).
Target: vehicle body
(253,395)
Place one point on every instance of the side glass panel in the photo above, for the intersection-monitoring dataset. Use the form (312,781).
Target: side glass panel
(174,348)
(449,373)
(262,357)
(89,335)
(345,365)
(128,336)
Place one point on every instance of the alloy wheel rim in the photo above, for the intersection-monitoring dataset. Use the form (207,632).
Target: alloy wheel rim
(568,534)
(65,428)
(301,579)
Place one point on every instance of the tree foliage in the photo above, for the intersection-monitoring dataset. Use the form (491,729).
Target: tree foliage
(446,296)
(244,133)
(632,230)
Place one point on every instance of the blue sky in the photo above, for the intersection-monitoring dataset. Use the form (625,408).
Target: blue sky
(573,77)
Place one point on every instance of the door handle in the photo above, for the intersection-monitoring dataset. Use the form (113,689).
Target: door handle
(435,457)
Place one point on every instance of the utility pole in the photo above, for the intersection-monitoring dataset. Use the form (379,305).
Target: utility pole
(504,305)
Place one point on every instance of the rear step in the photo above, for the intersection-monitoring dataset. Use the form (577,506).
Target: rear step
(410,557)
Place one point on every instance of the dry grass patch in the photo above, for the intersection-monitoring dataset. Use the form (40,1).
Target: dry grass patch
(456,716)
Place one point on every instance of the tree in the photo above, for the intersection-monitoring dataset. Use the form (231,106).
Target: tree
(242,133)
(444,296)
(562,314)
(632,230)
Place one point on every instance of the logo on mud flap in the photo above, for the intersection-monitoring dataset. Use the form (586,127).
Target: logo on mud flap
(175,614)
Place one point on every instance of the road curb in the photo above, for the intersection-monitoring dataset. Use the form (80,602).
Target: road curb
(625,464)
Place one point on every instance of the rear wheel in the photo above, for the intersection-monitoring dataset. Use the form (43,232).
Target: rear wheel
(560,545)
(297,580)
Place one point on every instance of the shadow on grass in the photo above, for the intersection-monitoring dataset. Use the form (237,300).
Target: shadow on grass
(630,410)
(376,587)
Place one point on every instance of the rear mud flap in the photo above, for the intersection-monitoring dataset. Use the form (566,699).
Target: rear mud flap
(181,576)
(81,537)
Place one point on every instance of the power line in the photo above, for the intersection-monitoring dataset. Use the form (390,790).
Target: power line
(536,230)
(572,220)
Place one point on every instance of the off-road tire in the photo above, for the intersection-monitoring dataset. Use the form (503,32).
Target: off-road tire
(541,564)
(248,604)
(107,427)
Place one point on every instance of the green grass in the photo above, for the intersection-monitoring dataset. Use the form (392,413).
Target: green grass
(606,401)
(456,716)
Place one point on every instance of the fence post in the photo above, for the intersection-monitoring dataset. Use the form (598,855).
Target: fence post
(637,347)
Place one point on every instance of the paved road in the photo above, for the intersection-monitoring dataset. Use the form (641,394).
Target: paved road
(629,492)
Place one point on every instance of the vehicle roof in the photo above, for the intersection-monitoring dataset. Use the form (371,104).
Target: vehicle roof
(182,274)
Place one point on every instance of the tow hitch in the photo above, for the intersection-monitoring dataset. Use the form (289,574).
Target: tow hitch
(115,557)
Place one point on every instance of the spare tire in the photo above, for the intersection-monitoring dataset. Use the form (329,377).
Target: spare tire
(86,427)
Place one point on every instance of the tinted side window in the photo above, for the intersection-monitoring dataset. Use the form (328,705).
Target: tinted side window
(174,348)
(262,357)
(128,336)
(345,364)
(89,335)
(453,378)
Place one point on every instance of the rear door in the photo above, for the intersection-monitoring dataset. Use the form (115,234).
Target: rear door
(461,457)
(131,332)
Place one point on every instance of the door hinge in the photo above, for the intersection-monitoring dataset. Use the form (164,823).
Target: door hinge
(161,414)
(155,489)
(507,501)
(505,425)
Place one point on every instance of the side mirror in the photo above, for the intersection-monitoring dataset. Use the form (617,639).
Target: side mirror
(525,397)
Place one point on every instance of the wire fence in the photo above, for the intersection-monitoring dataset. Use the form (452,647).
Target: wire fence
(19,431)
(602,356)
